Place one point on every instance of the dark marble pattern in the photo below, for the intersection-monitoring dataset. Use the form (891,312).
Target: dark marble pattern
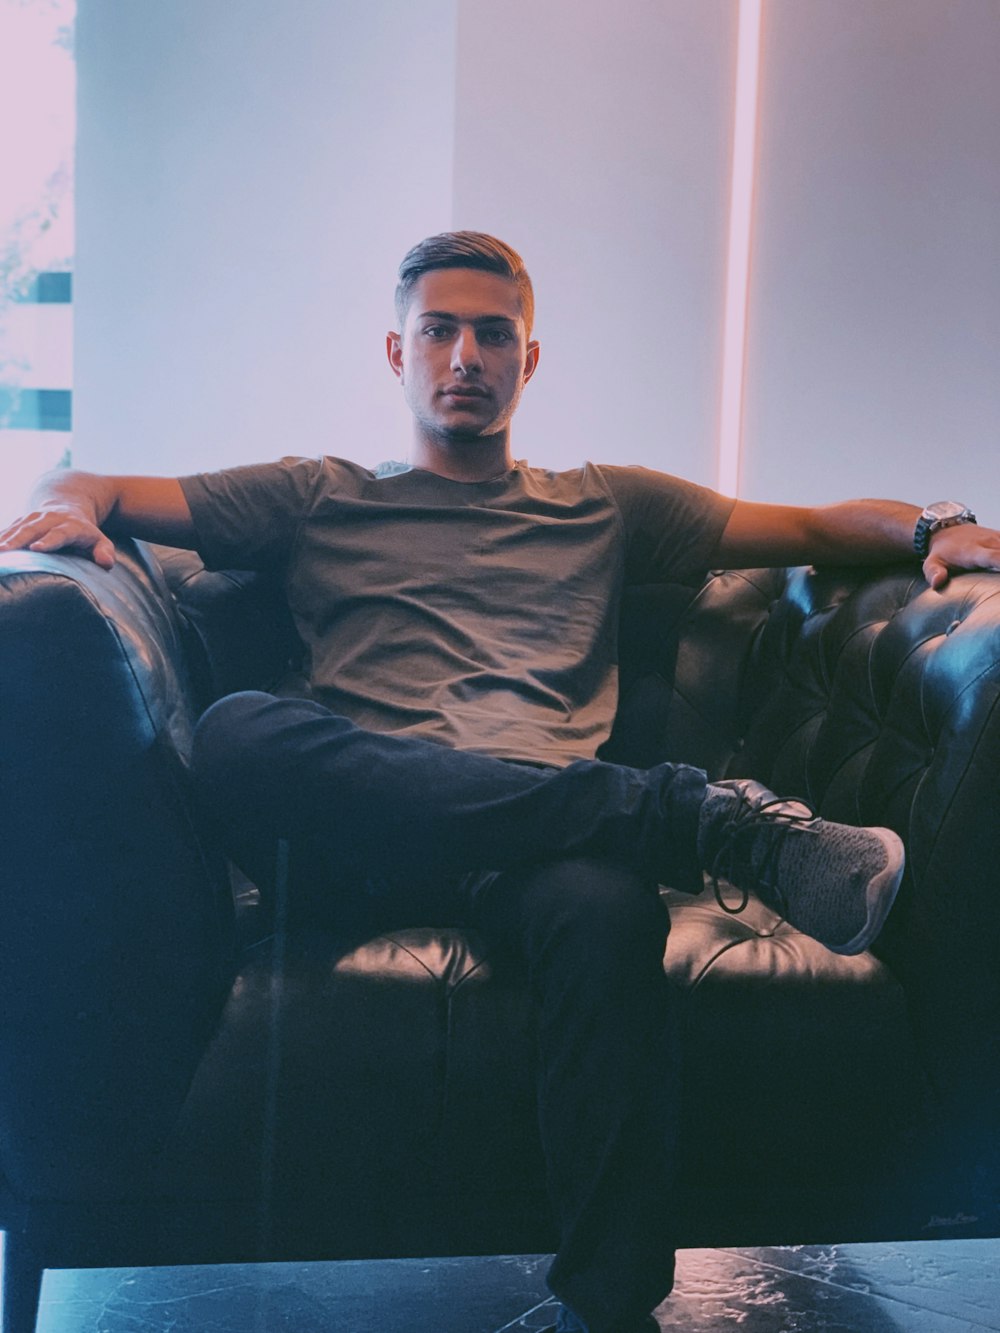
(919,1287)
(958,1278)
(477,1295)
(923,1287)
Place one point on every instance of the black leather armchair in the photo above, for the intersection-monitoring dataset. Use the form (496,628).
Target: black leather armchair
(187,1077)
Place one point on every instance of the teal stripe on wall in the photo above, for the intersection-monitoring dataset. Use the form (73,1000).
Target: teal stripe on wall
(49,289)
(36,409)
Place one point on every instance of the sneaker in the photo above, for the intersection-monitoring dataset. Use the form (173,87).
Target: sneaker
(834,882)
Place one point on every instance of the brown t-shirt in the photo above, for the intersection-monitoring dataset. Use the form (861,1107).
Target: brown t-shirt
(481,615)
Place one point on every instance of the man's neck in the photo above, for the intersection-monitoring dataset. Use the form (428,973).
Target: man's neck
(467,460)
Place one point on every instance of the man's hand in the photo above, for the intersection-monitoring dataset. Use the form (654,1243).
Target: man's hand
(963,546)
(59,528)
(76,511)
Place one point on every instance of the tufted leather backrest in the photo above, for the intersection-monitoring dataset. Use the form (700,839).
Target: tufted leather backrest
(684,656)
(238,631)
(878,699)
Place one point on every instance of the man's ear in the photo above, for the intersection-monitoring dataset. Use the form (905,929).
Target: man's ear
(394,351)
(531,360)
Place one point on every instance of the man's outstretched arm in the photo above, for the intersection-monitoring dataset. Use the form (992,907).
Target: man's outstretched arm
(856,532)
(82,511)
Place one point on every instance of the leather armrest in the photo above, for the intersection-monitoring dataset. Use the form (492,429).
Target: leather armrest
(114,925)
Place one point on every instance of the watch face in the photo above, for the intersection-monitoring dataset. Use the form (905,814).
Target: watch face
(944,509)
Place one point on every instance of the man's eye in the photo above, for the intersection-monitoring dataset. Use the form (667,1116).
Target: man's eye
(436,331)
(497,337)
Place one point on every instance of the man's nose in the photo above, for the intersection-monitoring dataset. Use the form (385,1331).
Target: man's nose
(465,353)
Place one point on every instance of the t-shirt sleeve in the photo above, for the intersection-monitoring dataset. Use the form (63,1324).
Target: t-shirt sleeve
(672,526)
(248,517)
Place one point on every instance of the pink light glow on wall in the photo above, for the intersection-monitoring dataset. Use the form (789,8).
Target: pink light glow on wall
(738,256)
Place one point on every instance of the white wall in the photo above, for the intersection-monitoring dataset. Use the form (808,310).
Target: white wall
(874,353)
(249,177)
(596,137)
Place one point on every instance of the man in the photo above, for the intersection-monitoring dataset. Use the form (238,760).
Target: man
(459,618)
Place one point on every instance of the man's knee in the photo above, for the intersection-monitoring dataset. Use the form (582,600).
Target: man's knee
(231,759)
(223,729)
(253,730)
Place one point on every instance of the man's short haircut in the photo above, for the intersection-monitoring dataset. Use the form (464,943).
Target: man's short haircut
(464,249)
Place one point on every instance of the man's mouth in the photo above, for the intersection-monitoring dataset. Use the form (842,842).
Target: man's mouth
(463,391)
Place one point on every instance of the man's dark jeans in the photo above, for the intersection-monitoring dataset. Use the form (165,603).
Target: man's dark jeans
(560,868)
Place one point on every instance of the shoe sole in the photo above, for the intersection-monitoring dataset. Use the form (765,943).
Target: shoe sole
(881,894)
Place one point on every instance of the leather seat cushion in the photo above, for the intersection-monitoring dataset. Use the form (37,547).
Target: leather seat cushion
(415,1042)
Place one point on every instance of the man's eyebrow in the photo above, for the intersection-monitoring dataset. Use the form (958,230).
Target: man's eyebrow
(480,319)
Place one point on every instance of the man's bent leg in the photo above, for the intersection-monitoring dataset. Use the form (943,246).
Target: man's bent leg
(385,807)
(592,934)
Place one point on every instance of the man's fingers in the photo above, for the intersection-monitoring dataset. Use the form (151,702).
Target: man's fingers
(52,532)
(63,534)
(23,531)
(104,552)
(17,533)
(961,548)
(84,539)
(936,572)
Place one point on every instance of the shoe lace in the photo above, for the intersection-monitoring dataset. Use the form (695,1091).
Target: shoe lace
(741,825)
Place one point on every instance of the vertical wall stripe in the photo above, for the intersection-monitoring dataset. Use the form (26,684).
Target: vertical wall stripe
(738,257)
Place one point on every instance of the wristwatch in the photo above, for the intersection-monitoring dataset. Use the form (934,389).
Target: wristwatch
(943,514)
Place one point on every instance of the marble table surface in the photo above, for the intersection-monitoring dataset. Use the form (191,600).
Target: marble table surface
(945,1286)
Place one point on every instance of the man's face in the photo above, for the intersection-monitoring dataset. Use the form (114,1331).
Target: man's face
(463,355)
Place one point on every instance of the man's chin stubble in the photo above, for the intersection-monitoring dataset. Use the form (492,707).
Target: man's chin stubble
(485,435)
